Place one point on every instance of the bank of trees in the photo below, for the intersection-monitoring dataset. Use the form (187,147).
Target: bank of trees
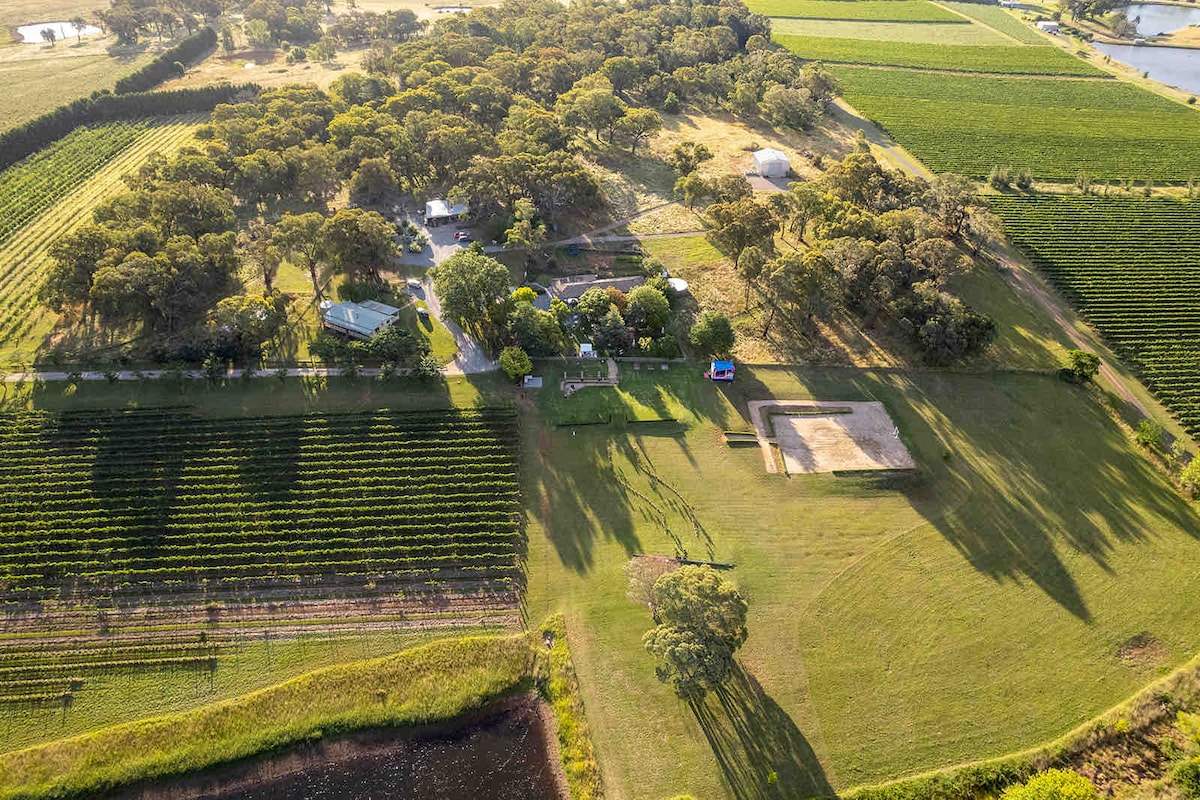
(878,243)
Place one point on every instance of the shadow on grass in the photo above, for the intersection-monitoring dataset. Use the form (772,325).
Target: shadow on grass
(760,751)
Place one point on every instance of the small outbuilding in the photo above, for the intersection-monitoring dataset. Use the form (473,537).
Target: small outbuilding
(359,320)
(1048,26)
(771,163)
(439,212)
(720,371)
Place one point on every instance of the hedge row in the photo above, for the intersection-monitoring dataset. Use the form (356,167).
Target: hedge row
(163,67)
(101,107)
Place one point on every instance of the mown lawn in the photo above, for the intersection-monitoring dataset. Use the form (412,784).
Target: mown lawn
(897,624)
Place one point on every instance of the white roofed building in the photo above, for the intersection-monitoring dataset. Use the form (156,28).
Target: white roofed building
(359,320)
(771,163)
(439,211)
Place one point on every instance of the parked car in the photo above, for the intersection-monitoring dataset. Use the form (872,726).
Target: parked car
(413,283)
(460,235)
(422,312)
(465,240)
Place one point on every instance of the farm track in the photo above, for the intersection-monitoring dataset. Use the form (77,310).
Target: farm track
(25,256)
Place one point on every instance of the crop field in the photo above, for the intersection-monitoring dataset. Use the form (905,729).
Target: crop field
(31,186)
(999,19)
(916,32)
(1008,60)
(1132,267)
(24,256)
(880,10)
(137,532)
(1055,129)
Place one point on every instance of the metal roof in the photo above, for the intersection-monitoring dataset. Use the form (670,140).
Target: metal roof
(440,208)
(363,319)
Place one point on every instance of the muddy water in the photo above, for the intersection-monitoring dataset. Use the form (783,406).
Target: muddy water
(505,756)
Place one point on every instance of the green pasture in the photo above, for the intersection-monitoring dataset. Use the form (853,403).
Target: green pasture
(883,10)
(33,86)
(898,623)
(1053,128)
(916,32)
(1008,59)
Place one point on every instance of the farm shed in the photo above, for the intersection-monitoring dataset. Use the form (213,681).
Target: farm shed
(1047,25)
(439,212)
(771,163)
(359,320)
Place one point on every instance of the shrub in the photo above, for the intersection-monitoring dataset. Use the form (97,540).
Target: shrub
(1150,434)
(712,334)
(1054,784)
(1080,366)
(515,362)
(1186,777)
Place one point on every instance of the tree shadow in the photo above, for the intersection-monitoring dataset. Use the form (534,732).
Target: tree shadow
(761,753)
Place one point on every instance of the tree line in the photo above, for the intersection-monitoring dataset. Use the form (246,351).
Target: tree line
(166,64)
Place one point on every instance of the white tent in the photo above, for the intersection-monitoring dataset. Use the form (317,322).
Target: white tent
(440,209)
(771,163)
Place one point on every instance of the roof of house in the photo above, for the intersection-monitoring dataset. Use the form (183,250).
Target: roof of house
(770,154)
(440,208)
(364,318)
(575,285)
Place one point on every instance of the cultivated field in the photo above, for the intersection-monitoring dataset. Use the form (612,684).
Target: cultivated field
(1055,129)
(894,621)
(1005,59)
(1132,267)
(24,254)
(1000,20)
(915,32)
(168,547)
(881,10)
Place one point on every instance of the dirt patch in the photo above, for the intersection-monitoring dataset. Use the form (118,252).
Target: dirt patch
(819,436)
(1141,650)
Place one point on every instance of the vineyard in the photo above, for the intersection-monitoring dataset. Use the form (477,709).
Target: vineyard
(24,254)
(1000,20)
(1055,129)
(1132,267)
(878,10)
(151,540)
(39,181)
(1006,59)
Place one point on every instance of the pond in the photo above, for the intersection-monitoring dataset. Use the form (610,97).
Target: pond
(504,756)
(1174,66)
(1155,18)
(32,34)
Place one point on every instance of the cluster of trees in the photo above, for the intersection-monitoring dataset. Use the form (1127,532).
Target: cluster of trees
(166,64)
(474,290)
(128,20)
(877,242)
(283,20)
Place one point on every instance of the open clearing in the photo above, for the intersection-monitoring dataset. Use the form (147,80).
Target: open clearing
(831,436)
(1002,556)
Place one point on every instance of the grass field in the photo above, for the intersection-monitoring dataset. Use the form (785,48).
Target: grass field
(1055,129)
(947,33)
(435,682)
(1132,268)
(880,10)
(31,87)
(1000,557)
(24,256)
(1006,59)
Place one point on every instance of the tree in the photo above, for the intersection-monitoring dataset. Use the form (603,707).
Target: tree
(1189,476)
(712,334)
(750,268)
(741,224)
(373,181)
(806,282)
(299,237)
(952,200)
(638,126)
(611,332)
(535,331)
(648,308)
(692,188)
(686,157)
(1054,784)
(1149,434)
(1080,367)
(700,623)
(50,35)
(593,305)
(78,23)
(515,363)
(244,323)
(358,242)
(261,248)
(469,285)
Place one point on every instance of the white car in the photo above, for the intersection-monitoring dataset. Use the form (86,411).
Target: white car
(413,283)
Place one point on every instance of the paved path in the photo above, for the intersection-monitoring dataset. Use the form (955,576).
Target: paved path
(470,358)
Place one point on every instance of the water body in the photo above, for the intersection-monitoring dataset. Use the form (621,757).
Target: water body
(32,34)
(1174,66)
(1153,18)
(504,756)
